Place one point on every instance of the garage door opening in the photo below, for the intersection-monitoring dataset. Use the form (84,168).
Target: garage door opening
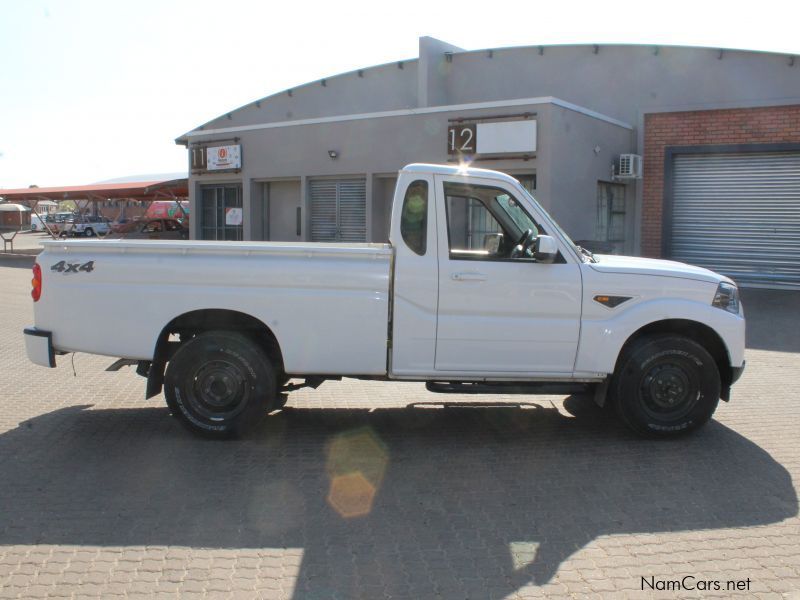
(738,214)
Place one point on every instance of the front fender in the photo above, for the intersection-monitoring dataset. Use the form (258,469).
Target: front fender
(602,339)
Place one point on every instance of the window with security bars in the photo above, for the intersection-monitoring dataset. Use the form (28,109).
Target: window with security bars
(611,215)
(221,212)
(528,182)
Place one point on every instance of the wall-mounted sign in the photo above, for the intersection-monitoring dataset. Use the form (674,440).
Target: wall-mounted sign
(461,139)
(508,136)
(233,216)
(219,158)
(502,137)
(197,154)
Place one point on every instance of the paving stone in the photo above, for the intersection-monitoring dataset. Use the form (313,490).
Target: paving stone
(103,494)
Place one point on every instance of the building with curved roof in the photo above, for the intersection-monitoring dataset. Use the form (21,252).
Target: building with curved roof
(691,153)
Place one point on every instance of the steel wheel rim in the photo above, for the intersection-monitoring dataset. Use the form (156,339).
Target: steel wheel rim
(669,390)
(219,390)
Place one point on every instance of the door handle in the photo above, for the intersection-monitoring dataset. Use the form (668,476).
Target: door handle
(468,277)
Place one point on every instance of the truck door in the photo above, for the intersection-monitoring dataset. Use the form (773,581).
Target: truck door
(416,275)
(499,314)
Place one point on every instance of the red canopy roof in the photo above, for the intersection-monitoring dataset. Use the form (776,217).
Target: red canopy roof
(138,190)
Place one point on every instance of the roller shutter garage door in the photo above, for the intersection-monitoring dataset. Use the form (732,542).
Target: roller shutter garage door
(338,210)
(739,214)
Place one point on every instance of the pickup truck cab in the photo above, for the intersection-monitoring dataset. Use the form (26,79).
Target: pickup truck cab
(88,226)
(478,291)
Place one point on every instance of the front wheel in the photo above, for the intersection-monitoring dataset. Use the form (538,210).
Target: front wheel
(89,232)
(220,384)
(665,385)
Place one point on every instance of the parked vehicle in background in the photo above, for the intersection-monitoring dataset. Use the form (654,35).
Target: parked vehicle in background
(88,226)
(37,224)
(57,221)
(122,224)
(155,229)
(167,209)
(478,292)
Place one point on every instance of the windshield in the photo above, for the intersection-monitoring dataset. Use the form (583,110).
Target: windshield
(516,212)
(552,221)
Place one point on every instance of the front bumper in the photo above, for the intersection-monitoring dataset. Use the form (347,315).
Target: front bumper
(39,347)
(736,373)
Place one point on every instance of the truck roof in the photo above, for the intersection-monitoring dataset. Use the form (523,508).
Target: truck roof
(456,170)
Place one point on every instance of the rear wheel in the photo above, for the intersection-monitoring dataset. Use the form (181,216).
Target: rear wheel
(89,232)
(665,385)
(220,384)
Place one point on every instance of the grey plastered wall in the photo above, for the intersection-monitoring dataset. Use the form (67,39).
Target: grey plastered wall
(433,66)
(618,80)
(383,145)
(580,152)
(382,196)
(621,81)
(384,87)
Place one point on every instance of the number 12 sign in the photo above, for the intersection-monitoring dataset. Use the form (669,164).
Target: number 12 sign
(462,139)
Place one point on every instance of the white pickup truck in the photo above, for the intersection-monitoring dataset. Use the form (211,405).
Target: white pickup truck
(479,291)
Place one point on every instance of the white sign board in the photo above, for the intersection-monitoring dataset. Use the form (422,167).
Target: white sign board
(233,216)
(224,157)
(507,136)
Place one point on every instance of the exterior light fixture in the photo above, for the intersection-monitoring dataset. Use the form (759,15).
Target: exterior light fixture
(333,154)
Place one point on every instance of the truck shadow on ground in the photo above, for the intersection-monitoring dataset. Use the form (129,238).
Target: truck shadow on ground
(418,502)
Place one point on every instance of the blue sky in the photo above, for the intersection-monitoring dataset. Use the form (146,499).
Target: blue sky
(93,90)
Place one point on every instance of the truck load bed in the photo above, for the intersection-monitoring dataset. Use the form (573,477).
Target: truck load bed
(139,286)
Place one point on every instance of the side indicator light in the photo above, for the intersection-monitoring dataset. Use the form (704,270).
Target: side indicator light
(611,301)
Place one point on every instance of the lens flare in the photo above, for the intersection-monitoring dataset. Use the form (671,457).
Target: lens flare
(356,463)
(351,495)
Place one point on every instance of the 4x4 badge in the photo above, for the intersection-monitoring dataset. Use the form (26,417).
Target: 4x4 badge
(65,267)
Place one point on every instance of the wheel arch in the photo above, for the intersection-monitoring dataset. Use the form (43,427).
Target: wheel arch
(189,324)
(695,331)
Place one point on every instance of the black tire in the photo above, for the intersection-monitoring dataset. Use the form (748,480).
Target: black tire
(220,384)
(665,385)
(89,232)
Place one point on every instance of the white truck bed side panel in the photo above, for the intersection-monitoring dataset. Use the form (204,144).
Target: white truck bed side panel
(327,304)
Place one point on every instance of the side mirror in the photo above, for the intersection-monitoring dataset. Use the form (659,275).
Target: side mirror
(545,250)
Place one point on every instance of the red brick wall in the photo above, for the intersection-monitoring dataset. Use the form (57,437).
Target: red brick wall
(767,125)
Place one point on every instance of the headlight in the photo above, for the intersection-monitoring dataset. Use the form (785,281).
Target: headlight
(727,298)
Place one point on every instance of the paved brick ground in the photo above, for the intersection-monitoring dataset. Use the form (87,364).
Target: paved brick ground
(25,242)
(361,490)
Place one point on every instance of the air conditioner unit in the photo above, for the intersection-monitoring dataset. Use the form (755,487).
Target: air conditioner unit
(630,167)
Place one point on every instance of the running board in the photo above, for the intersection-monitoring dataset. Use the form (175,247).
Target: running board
(142,366)
(533,387)
(311,381)
(122,362)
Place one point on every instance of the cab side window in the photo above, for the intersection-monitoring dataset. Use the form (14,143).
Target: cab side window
(485,223)
(469,223)
(414,217)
